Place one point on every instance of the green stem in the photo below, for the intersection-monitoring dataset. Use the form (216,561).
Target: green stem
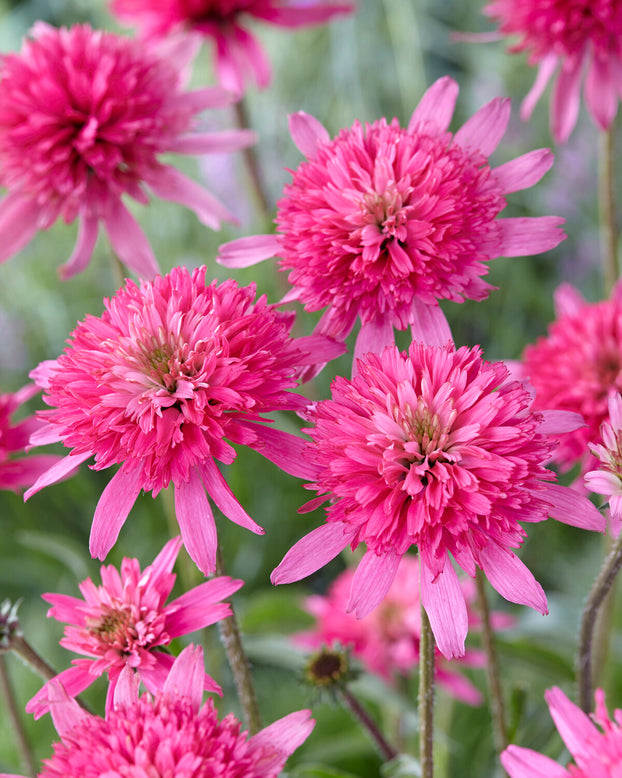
(252,163)
(25,651)
(362,716)
(497,706)
(607,206)
(426,697)
(14,715)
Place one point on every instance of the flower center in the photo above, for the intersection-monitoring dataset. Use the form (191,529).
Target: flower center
(112,628)
(387,212)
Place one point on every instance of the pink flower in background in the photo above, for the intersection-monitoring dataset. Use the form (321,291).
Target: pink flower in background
(238,55)
(597,752)
(382,222)
(21,471)
(438,449)
(171,372)
(573,38)
(171,734)
(607,480)
(84,116)
(387,640)
(126,622)
(577,366)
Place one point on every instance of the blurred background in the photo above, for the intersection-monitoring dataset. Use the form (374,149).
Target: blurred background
(376,63)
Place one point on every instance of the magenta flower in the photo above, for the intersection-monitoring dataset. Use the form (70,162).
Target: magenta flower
(238,55)
(84,116)
(435,448)
(21,471)
(125,622)
(596,753)
(386,641)
(171,372)
(571,37)
(169,735)
(577,366)
(607,480)
(383,221)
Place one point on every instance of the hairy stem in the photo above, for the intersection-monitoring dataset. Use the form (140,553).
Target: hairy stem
(607,205)
(252,163)
(369,725)
(25,651)
(14,715)
(426,697)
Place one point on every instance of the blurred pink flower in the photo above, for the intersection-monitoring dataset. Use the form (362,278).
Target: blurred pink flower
(386,641)
(84,116)
(607,480)
(435,448)
(596,753)
(238,55)
(125,622)
(572,37)
(172,371)
(169,735)
(383,221)
(577,366)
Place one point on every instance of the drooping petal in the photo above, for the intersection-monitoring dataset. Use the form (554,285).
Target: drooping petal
(484,129)
(443,600)
(601,90)
(65,711)
(436,107)
(281,739)
(126,688)
(114,505)
(566,98)
(313,551)
(218,489)
(307,133)
(523,236)
(558,422)
(245,252)
(571,508)
(509,576)
(213,142)
(429,324)
(372,580)
(545,71)
(81,255)
(18,224)
(73,681)
(374,336)
(524,171)
(196,522)
(128,240)
(287,451)
(568,300)
(524,763)
(59,470)
(201,606)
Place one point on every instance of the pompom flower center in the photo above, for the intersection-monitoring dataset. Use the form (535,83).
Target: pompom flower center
(125,628)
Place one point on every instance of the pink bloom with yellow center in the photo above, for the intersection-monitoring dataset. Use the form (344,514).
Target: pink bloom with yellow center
(126,622)
(171,734)
(84,117)
(438,449)
(171,372)
(608,479)
(238,55)
(382,222)
(572,37)
(386,641)
(595,743)
(577,366)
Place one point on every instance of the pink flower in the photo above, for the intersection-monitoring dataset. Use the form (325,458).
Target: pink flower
(386,641)
(172,371)
(577,366)
(238,55)
(382,222)
(596,753)
(572,37)
(435,448)
(84,116)
(608,479)
(125,622)
(170,735)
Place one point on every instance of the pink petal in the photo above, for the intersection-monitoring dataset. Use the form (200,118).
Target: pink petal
(213,142)
(245,252)
(570,507)
(545,71)
(112,510)
(200,606)
(575,726)
(428,324)
(285,450)
(559,422)
(307,133)
(484,129)
(18,473)
(509,576)
(318,349)
(568,300)
(523,236)
(154,678)
(65,608)
(524,171)
(436,107)
(443,600)
(524,763)
(218,489)
(371,581)
(277,741)
(566,99)
(65,711)
(198,100)
(373,337)
(125,690)
(128,240)
(312,551)
(45,435)
(163,564)
(59,470)
(186,677)
(614,404)
(83,250)
(601,94)
(459,686)
(18,224)
(72,681)
(301,15)
(196,522)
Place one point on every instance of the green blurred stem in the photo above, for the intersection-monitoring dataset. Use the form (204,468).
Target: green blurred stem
(14,715)
(238,661)
(426,697)
(607,205)
(369,725)
(252,162)
(600,589)
(497,706)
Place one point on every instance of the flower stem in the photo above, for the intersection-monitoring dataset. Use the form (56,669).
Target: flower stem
(497,706)
(426,697)
(600,589)
(14,715)
(607,203)
(252,163)
(387,751)
(25,651)
(238,661)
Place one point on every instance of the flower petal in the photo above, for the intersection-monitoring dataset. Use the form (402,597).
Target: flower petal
(524,171)
(201,606)
(524,763)
(115,503)
(374,336)
(277,741)
(372,580)
(287,451)
(601,93)
(212,142)
(444,603)
(484,129)
(307,133)
(570,507)
(545,71)
(558,422)
(523,236)
(83,250)
(218,489)
(575,726)
(128,240)
(18,224)
(510,577)
(429,325)
(312,551)
(72,681)
(248,251)
(566,98)
(186,677)
(196,522)
(59,470)
(436,107)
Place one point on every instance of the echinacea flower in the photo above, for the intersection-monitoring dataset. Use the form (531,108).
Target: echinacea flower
(574,38)
(438,449)
(597,752)
(17,472)
(382,222)
(607,480)
(84,117)
(170,734)
(126,622)
(238,55)
(577,366)
(171,372)
(386,641)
